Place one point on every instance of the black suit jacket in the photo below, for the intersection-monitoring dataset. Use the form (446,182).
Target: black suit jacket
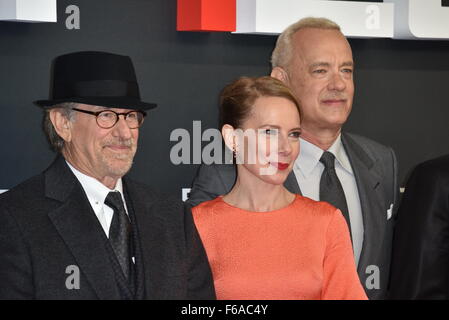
(420,263)
(375,171)
(48,225)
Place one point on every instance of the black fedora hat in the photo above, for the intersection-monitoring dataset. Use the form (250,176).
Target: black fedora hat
(95,78)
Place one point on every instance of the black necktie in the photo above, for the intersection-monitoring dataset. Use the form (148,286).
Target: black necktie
(330,187)
(120,231)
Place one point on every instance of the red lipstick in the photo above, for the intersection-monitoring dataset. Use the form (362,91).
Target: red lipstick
(280,165)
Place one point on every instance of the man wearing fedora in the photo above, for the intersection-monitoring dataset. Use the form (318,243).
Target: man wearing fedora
(82,229)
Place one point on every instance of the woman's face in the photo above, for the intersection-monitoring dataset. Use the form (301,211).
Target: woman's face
(268,143)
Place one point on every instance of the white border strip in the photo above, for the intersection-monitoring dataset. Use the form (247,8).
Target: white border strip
(356,19)
(28,10)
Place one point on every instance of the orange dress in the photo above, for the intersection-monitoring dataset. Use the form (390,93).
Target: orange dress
(302,251)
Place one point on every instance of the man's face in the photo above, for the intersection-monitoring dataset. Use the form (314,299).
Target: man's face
(101,152)
(320,74)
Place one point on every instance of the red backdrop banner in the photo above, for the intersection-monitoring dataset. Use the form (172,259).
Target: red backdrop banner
(206,15)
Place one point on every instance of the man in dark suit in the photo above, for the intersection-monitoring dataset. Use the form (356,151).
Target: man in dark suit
(420,261)
(82,229)
(356,174)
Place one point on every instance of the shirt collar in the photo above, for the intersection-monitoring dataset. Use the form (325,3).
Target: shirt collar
(96,191)
(339,152)
(310,154)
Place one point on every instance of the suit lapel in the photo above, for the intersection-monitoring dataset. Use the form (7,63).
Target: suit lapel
(369,185)
(81,231)
(228,175)
(135,209)
(292,184)
(162,277)
(150,234)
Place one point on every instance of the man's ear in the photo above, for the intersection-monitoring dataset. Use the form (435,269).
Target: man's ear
(280,74)
(62,125)
(227,131)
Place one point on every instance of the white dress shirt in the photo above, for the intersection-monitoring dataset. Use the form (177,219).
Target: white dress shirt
(308,170)
(96,194)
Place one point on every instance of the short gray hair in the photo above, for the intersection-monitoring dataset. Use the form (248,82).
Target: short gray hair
(282,53)
(56,142)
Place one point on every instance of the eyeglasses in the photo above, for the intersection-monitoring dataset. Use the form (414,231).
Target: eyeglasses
(106,119)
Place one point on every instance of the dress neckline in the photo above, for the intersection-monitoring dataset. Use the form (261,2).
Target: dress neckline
(297,196)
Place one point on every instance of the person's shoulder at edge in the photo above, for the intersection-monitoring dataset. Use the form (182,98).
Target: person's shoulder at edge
(436,166)
(433,172)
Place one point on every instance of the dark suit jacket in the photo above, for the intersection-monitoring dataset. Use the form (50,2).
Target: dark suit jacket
(420,262)
(47,225)
(375,171)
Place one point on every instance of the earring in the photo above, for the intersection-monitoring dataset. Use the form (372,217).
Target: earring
(233,155)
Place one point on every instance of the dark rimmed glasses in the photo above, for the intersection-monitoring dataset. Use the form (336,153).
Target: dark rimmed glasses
(106,119)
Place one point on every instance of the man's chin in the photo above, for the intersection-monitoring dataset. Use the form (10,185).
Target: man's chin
(118,172)
(118,168)
(336,120)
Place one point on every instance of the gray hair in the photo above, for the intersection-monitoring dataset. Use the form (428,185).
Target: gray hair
(282,53)
(56,142)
